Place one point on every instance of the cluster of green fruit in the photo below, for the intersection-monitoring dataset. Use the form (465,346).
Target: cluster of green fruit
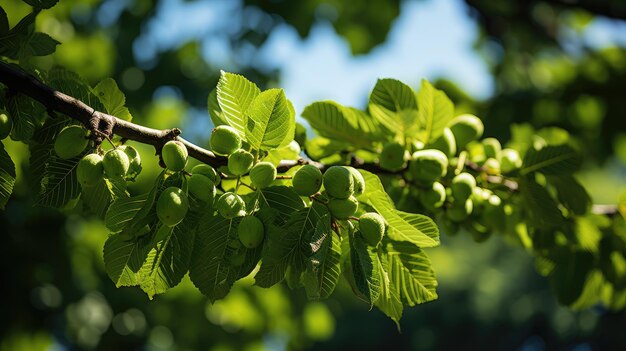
(342,185)
(444,187)
(6,124)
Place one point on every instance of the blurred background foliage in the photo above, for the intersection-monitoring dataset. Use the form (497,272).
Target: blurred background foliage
(522,65)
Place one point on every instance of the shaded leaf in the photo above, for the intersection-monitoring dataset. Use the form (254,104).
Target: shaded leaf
(7,176)
(552,160)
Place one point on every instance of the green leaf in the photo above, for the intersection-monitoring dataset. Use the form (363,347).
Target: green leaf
(27,117)
(269,120)
(170,253)
(389,300)
(288,245)
(4,22)
(73,85)
(393,95)
(123,210)
(123,259)
(435,112)
(331,120)
(40,44)
(365,269)
(411,272)
(282,198)
(209,269)
(417,229)
(113,99)
(570,273)
(542,209)
(552,160)
(403,123)
(59,184)
(234,95)
(215,111)
(7,176)
(41,4)
(99,196)
(323,274)
(588,234)
(571,194)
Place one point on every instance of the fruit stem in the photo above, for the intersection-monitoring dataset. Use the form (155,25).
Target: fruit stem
(284,177)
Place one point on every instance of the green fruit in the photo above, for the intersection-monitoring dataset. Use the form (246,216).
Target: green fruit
(433,197)
(202,188)
(133,157)
(251,232)
(240,162)
(372,227)
(343,208)
(90,170)
(465,129)
(445,143)
(71,142)
(493,148)
(208,172)
(359,181)
(115,163)
(225,140)
(237,258)
(174,154)
(231,205)
(262,175)
(393,156)
(172,206)
(491,166)
(510,161)
(462,186)
(6,124)
(476,151)
(459,211)
(338,182)
(307,180)
(427,166)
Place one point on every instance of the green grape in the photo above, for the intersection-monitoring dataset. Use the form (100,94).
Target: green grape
(174,154)
(251,232)
(463,185)
(433,197)
(263,175)
(445,143)
(225,140)
(6,124)
(115,163)
(427,166)
(307,180)
(459,211)
(338,182)
(465,129)
(393,156)
(359,181)
(172,206)
(208,172)
(372,226)
(202,188)
(492,147)
(90,170)
(240,162)
(343,208)
(510,161)
(231,205)
(71,142)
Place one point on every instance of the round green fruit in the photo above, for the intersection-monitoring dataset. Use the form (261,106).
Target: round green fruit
(174,154)
(6,124)
(262,175)
(172,206)
(465,129)
(202,188)
(433,197)
(115,163)
(463,185)
(71,142)
(510,161)
(133,157)
(240,162)
(307,180)
(237,258)
(427,166)
(459,211)
(492,166)
(445,143)
(343,208)
(251,232)
(493,148)
(372,227)
(393,156)
(208,172)
(231,205)
(90,170)
(338,182)
(225,140)
(359,181)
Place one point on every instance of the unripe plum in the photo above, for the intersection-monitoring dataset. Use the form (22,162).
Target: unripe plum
(510,160)
(90,170)
(493,148)
(445,143)
(393,156)
(225,140)
(208,172)
(174,154)
(338,182)
(263,175)
(463,185)
(231,205)
(372,227)
(427,166)
(359,181)
(202,188)
(433,197)
(240,162)
(115,163)
(172,206)
(465,129)
(251,232)
(307,180)
(343,208)
(71,142)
